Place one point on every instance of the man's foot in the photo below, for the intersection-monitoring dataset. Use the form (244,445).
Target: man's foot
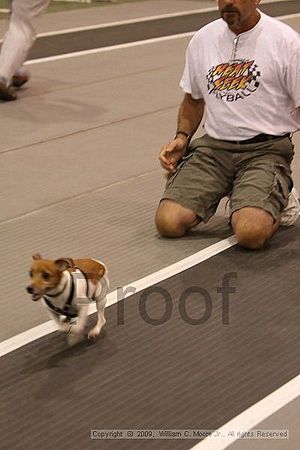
(291,213)
(19,79)
(7,94)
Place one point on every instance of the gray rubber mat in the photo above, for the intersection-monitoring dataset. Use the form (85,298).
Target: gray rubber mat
(114,223)
(130,32)
(173,375)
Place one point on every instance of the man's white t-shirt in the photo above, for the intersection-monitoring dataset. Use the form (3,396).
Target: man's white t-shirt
(250,83)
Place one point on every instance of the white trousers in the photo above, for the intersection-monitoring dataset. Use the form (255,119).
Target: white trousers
(20,35)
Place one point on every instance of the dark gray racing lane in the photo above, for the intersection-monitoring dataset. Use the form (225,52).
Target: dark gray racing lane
(113,35)
(169,376)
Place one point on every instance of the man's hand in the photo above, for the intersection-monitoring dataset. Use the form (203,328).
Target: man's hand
(171,153)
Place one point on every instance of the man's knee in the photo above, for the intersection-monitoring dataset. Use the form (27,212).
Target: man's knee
(173,220)
(251,237)
(252,227)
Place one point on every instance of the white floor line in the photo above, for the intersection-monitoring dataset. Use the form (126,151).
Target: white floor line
(137,20)
(134,20)
(128,21)
(39,331)
(251,417)
(110,48)
(127,45)
(123,22)
(288,16)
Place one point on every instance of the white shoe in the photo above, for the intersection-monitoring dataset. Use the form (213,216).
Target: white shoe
(227,206)
(291,213)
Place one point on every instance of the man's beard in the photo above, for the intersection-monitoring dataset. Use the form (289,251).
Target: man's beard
(229,14)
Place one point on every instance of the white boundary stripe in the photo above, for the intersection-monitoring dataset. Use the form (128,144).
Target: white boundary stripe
(128,21)
(288,16)
(123,22)
(176,268)
(127,45)
(39,331)
(137,20)
(252,416)
(110,48)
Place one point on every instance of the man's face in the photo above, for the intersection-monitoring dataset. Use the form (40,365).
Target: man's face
(240,15)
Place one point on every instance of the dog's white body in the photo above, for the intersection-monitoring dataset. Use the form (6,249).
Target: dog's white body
(85,291)
(67,288)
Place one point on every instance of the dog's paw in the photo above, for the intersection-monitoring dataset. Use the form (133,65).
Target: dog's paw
(74,339)
(94,332)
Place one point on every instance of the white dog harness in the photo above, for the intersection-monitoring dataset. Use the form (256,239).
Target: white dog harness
(80,289)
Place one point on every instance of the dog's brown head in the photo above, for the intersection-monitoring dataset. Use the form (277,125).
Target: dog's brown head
(46,274)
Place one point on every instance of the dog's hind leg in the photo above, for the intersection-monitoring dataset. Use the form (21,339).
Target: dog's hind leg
(100,303)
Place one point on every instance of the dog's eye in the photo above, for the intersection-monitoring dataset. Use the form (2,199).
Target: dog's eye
(30,273)
(46,275)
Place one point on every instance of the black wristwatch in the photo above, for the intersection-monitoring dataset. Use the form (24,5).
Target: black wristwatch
(188,137)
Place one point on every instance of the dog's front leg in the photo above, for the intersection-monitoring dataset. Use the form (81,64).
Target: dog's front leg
(82,318)
(62,326)
(100,302)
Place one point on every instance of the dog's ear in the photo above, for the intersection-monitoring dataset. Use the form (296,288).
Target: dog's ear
(36,256)
(64,263)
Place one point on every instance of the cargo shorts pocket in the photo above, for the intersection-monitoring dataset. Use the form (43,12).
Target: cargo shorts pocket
(282,184)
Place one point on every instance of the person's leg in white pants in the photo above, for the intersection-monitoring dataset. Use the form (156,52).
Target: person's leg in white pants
(19,38)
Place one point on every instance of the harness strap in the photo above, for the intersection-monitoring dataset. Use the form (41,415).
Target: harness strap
(86,282)
(68,304)
(65,311)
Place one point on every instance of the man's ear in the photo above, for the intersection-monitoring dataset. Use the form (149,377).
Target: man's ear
(64,263)
(36,256)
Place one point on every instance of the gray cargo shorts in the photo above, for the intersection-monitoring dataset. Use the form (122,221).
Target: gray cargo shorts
(254,175)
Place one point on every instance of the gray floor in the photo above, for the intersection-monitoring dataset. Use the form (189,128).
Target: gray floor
(79,170)
(176,375)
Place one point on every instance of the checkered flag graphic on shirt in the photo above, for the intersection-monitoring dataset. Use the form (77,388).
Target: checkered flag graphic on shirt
(210,79)
(255,75)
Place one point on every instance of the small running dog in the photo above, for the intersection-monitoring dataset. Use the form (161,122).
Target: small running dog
(67,286)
